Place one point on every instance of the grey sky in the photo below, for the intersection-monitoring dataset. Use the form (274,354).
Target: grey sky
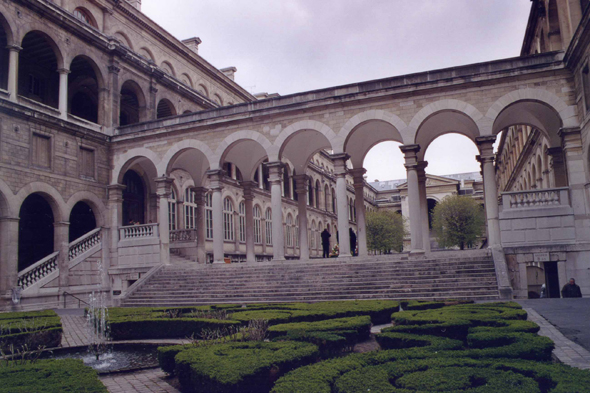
(290,46)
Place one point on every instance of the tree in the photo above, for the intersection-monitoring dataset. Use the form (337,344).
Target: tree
(458,221)
(385,231)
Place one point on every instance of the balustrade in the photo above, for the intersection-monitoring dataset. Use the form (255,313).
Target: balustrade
(37,271)
(535,198)
(138,232)
(183,235)
(85,243)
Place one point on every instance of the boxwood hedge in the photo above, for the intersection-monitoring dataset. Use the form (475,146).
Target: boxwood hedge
(353,329)
(50,376)
(38,328)
(240,367)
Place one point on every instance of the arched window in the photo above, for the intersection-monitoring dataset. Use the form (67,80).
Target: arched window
(317,194)
(333,194)
(268,226)
(297,232)
(165,109)
(209,216)
(309,192)
(190,209)
(228,219)
(289,230)
(312,235)
(172,211)
(242,222)
(286,182)
(257,225)
(84,16)
(326,198)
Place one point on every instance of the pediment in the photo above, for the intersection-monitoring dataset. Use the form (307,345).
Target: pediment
(432,181)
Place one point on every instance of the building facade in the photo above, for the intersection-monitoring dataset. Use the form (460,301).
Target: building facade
(122,149)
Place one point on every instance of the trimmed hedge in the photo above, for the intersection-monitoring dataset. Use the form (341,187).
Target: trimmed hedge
(240,367)
(353,329)
(164,328)
(50,376)
(38,328)
(392,340)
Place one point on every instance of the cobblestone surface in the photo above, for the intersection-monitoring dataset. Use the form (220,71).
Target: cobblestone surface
(566,351)
(74,331)
(153,380)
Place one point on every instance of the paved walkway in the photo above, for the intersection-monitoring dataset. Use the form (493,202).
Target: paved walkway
(153,380)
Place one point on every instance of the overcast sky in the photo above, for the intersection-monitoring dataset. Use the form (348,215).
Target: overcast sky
(290,46)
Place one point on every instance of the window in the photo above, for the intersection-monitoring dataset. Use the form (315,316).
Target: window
(289,230)
(257,225)
(242,222)
(87,163)
(172,211)
(268,227)
(586,85)
(84,16)
(190,209)
(333,193)
(41,154)
(297,231)
(228,219)
(312,235)
(209,216)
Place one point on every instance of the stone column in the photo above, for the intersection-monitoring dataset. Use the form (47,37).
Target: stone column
(276,195)
(113,102)
(215,177)
(152,110)
(63,92)
(201,224)
(249,202)
(163,185)
(13,51)
(359,194)
(486,158)
(342,203)
(301,189)
(115,219)
(410,152)
(559,167)
(8,254)
(260,177)
(236,218)
(424,205)
(61,243)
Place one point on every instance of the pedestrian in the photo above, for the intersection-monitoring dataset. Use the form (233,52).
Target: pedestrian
(571,289)
(352,241)
(326,243)
(543,291)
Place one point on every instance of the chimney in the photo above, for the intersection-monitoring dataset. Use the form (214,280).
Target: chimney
(229,72)
(135,4)
(193,44)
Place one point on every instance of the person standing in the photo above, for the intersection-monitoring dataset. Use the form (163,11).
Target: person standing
(571,289)
(326,243)
(352,242)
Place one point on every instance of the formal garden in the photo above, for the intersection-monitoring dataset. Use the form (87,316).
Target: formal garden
(299,347)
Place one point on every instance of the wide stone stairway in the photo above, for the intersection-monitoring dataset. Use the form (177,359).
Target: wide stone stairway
(469,275)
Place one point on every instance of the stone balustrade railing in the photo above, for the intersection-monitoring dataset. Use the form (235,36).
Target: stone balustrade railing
(183,235)
(138,232)
(37,271)
(85,243)
(535,198)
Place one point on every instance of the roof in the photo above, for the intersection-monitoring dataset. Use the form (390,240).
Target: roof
(390,185)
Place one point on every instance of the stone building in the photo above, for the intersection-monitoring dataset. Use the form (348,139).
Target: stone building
(122,149)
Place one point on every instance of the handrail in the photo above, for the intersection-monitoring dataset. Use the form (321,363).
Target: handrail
(84,237)
(79,246)
(66,294)
(38,270)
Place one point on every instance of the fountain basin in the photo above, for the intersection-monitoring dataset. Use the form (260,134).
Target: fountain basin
(119,357)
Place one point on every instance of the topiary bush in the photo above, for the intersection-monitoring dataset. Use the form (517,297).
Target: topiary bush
(240,367)
(50,376)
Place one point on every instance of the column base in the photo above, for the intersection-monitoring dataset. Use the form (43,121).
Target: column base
(417,252)
(344,255)
(219,262)
(279,259)
(506,293)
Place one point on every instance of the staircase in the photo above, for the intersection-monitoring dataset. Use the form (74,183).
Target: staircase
(448,276)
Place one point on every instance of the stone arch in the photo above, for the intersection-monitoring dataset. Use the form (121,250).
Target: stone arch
(147,54)
(8,207)
(132,105)
(84,97)
(190,155)
(165,109)
(9,30)
(47,33)
(167,65)
(245,149)
(185,78)
(367,129)
(93,201)
(139,155)
(124,39)
(86,16)
(566,114)
(50,194)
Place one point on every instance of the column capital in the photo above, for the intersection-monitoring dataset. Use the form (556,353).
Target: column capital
(14,48)
(215,177)
(248,187)
(114,69)
(115,191)
(63,71)
(409,149)
(484,159)
(410,155)
(163,185)
(555,152)
(340,164)
(301,185)
(358,175)
(275,172)
(564,132)
(200,193)
(486,139)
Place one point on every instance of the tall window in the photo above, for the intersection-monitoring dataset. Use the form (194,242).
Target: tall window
(317,194)
(84,16)
(333,194)
(228,219)
(297,231)
(268,226)
(289,230)
(326,198)
(190,209)
(172,211)
(209,216)
(242,222)
(312,235)
(257,225)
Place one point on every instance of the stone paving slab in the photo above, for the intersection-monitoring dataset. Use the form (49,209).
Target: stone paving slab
(152,380)
(75,333)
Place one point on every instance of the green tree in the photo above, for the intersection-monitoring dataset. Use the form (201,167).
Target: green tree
(385,231)
(458,221)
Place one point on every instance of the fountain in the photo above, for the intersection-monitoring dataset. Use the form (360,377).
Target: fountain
(98,329)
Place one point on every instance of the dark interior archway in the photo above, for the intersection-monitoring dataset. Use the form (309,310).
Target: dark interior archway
(82,220)
(83,90)
(35,231)
(3,58)
(165,109)
(431,205)
(133,199)
(130,104)
(38,79)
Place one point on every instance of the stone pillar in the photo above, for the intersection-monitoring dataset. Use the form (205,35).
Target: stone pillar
(61,243)
(236,218)
(342,203)
(115,219)
(215,177)
(8,254)
(63,92)
(249,202)
(260,177)
(359,194)
(486,158)
(164,185)
(301,189)
(152,111)
(276,194)
(201,224)
(558,165)
(410,152)
(113,102)
(423,205)
(13,51)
